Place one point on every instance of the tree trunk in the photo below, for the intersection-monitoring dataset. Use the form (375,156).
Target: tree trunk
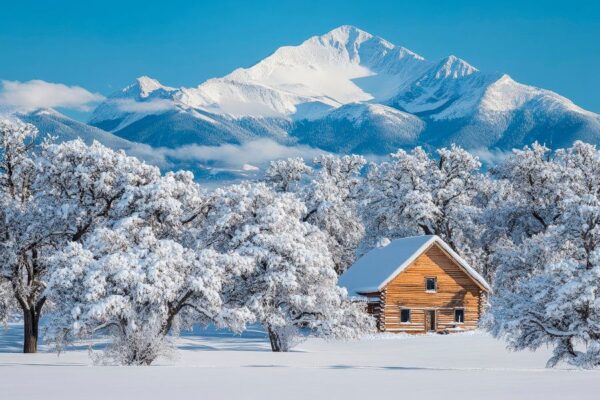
(30,331)
(275,340)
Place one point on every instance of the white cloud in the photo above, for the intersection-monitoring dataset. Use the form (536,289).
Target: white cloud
(256,152)
(152,106)
(244,160)
(148,154)
(42,94)
(490,156)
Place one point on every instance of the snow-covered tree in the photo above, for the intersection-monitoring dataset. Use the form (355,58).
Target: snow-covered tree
(20,272)
(531,202)
(149,228)
(522,202)
(415,194)
(332,204)
(81,187)
(137,288)
(293,284)
(54,197)
(171,205)
(555,298)
(547,284)
(330,194)
(286,175)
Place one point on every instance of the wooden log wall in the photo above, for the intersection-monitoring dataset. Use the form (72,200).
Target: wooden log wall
(455,289)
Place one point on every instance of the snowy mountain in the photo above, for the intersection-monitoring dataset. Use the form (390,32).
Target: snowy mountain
(151,113)
(348,91)
(366,128)
(63,128)
(52,123)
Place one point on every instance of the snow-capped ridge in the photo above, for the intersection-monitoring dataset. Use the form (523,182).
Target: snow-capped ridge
(361,111)
(144,86)
(454,67)
(350,38)
(343,32)
(506,94)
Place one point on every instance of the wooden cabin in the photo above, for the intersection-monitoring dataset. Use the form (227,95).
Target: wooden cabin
(417,284)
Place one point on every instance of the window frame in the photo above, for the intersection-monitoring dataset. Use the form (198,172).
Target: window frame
(409,316)
(435,284)
(463,315)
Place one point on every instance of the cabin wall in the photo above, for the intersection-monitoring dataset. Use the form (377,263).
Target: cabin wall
(455,289)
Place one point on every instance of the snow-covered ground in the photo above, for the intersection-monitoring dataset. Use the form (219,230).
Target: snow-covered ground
(219,366)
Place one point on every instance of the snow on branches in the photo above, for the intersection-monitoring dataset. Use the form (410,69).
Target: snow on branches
(329,192)
(106,245)
(293,284)
(128,283)
(21,276)
(547,287)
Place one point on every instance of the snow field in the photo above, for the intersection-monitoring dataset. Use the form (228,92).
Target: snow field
(459,366)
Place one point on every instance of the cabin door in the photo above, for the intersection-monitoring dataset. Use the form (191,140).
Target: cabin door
(430,321)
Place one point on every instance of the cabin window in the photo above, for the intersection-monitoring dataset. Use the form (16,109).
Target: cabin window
(431,284)
(405,316)
(459,315)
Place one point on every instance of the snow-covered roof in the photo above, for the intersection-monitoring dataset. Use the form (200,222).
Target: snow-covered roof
(373,271)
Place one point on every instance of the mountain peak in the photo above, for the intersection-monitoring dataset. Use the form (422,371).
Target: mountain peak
(341,66)
(346,31)
(351,36)
(454,67)
(147,85)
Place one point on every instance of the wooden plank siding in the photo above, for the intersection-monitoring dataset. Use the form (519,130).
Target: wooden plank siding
(455,289)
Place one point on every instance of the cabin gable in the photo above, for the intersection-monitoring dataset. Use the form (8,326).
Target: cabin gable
(454,290)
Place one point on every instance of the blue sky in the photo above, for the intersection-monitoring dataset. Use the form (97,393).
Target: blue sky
(103,46)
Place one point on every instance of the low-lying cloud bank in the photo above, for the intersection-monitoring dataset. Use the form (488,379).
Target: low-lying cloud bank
(258,151)
(227,156)
(490,156)
(41,94)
